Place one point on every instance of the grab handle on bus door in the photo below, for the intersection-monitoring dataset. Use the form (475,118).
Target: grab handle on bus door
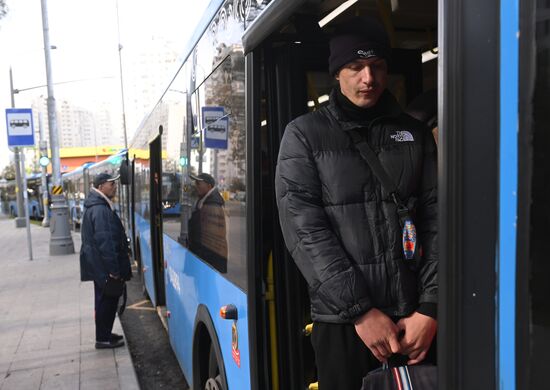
(229,312)
(308,329)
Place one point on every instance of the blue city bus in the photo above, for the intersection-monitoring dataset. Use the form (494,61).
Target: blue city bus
(76,185)
(34,193)
(236,307)
(4,208)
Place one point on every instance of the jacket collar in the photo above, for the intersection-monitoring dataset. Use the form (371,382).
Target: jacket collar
(201,200)
(387,105)
(104,197)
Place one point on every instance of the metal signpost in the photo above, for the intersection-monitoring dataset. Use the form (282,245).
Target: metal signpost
(26,201)
(20,134)
(19,220)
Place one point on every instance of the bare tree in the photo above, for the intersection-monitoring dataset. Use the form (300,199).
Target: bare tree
(8,172)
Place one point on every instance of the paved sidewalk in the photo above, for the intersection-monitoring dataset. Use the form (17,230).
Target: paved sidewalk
(47,331)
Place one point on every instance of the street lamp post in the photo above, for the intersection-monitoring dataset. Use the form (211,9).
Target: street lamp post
(124,190)
(121,80)
(21,188)
(61,242)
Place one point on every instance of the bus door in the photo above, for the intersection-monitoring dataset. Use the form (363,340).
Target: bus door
(155,150)
(285,71)
(292,71)
(132,209)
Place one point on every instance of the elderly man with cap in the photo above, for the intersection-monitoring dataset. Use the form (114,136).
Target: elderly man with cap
(207,228)
(104,257)
(372,278)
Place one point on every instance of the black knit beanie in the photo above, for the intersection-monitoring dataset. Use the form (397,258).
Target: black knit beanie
(360,37)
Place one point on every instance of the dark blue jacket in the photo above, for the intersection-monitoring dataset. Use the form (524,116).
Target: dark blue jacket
(104,248)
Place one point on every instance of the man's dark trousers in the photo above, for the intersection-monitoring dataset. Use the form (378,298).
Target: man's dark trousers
(105,311)
(341,356)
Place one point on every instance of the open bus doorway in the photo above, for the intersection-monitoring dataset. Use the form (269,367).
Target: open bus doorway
(291,70)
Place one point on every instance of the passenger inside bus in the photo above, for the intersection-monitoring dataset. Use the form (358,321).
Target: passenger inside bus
(339,217)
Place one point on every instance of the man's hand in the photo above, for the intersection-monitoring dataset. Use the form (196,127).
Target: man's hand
(419,331)
(116,277)
(379,334)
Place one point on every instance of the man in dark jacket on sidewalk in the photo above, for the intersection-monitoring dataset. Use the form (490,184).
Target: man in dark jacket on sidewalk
(341,225)
(104,256)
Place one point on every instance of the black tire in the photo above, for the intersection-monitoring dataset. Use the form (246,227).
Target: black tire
(214,380)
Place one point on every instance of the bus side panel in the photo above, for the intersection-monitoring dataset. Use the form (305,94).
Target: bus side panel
(143,231)
(34,209)
(189,283)
(71,204)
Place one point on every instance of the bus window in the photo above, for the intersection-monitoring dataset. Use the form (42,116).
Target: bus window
(219,237)
(142,189)
(171,202)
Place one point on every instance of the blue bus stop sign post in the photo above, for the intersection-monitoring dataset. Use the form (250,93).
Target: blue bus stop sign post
(20,134)
(20,127)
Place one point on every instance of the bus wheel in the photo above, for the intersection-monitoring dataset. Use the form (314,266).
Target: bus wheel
(214,381)
(213,384)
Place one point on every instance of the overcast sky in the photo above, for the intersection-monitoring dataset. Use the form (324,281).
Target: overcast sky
(85,34)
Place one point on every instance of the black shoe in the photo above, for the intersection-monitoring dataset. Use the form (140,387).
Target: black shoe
(116,337)
(108,344)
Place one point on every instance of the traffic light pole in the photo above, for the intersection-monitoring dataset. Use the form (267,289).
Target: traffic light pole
(61,242)
(44,152)
(26,198)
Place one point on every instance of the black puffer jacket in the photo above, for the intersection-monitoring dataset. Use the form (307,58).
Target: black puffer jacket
(104,248)
(340,226)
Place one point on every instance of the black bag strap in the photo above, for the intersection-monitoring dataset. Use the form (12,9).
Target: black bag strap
(374,163)
(124,300)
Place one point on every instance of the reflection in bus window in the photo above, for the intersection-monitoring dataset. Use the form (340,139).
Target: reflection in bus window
(171,201)
(171,183)
(218,223)
(207,227)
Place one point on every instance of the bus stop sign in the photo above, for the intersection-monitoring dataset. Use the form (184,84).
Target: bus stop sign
(216,125)
(20,127)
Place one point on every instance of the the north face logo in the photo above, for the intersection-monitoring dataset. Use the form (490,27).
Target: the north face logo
(402,136)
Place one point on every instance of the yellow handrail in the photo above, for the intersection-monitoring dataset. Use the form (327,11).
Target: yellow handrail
(270,298)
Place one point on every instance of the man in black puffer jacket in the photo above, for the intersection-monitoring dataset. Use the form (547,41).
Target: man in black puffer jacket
(341,225)
(104,256)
